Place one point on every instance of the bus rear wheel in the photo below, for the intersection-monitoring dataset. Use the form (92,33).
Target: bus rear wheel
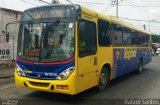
(103,80)
(140,68)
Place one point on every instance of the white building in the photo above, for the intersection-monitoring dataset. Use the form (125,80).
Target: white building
(8,50)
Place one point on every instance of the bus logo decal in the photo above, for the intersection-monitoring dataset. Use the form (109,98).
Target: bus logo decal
(130,53)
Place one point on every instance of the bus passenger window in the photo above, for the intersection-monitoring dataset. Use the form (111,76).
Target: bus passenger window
(126,36)
(116,34)
(147,40)
(103,33)
(134,36)
(87,38)
(140,39)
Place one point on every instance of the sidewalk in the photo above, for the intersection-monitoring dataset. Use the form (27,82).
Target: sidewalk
(6,72)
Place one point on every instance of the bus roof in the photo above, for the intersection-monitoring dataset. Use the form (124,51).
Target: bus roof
(58,5)
(112,19)
(93,13)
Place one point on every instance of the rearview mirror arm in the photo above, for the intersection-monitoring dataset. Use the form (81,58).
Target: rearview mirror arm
(7,33)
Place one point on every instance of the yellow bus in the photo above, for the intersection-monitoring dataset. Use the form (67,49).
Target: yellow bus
(69,49)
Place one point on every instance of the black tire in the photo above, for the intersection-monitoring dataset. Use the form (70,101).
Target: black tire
(104,80)
(140,68)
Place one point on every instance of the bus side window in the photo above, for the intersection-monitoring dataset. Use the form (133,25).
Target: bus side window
(140,39)
(126,36)
(147,40)
(103,33)
(87,38)
(116,34)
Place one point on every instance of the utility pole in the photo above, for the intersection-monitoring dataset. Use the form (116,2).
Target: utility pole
(117,9)
(144,27)
(149,26)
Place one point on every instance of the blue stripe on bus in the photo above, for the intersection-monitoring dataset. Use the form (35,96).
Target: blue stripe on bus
(42,69)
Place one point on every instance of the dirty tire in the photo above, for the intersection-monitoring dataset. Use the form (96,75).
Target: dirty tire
(103,80)
(140,68)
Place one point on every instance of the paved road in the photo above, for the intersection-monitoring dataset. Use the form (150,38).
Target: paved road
(131,86)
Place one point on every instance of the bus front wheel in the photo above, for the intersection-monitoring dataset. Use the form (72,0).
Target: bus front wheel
(103,79)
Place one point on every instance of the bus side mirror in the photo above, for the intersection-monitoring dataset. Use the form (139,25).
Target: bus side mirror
(7,33)
(6,27)
(7,37)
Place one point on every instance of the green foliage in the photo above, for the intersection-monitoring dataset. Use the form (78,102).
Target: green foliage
(155,38)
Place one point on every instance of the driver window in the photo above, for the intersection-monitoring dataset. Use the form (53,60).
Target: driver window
(87,38)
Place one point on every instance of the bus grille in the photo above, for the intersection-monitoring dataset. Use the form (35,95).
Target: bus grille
(37,84)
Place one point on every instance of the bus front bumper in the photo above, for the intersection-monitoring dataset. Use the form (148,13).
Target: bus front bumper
(57,86)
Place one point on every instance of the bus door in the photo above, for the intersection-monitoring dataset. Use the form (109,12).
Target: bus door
(87,52)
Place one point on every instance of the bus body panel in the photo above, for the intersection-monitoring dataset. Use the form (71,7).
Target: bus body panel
(126,59)
(105,56)
(87,66)
(45,85)
(146,54)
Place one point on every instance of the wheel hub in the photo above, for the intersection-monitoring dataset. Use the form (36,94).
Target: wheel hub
(102,79)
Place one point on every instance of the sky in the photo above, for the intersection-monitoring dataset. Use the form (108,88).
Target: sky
(148,10)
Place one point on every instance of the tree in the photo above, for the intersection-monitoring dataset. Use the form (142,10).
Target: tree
(155,38)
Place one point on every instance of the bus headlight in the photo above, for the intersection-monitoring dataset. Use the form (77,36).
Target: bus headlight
(19,71)
(65,74)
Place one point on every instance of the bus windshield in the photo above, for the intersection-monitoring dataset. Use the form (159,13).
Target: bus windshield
(46,42)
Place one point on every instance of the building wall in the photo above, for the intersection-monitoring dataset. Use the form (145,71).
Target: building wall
(6,16)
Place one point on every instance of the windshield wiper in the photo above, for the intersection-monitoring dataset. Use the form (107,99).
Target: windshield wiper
(51,27)
(45,31)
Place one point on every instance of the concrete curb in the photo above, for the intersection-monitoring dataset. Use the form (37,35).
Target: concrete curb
(3,77)
(6,65)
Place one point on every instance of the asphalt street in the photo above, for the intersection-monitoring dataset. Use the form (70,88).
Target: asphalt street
(131,86)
